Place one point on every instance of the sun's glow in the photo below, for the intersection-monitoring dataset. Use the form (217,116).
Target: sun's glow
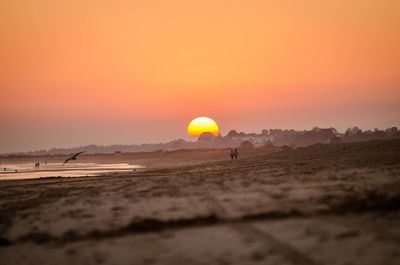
(201,125)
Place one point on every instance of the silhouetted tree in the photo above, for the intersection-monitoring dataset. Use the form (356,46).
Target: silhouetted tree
(232,133)
(247,145)
(206,136)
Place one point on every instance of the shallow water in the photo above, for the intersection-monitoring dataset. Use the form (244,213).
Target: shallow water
(28,170)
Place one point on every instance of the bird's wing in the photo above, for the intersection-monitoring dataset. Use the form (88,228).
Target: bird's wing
(66,161)
(74,156)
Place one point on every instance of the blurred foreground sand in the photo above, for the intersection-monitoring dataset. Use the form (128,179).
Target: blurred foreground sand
(323,204)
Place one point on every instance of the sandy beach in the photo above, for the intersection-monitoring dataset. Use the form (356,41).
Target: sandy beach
(322,204)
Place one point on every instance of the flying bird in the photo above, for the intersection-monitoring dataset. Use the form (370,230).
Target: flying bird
(73,157)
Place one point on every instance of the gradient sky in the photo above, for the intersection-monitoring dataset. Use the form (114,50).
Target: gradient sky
(79,72)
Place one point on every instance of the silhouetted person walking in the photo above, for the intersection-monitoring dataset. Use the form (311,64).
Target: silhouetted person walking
(232,153)
(235,153)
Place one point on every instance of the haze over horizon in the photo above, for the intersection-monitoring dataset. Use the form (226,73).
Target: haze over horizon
(120,72)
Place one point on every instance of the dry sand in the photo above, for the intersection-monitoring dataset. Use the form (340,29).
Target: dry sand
(324,204)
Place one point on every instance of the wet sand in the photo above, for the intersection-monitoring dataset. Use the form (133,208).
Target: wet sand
(323,204)
(20,171)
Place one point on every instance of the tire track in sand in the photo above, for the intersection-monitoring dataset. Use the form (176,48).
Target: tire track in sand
(247,230)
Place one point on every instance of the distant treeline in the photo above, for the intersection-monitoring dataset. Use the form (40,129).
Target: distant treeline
(267,138)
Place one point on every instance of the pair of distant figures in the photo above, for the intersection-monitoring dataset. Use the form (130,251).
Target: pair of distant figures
(234,153)
(37,164)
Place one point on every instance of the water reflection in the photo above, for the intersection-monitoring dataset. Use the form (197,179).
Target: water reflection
(28,170)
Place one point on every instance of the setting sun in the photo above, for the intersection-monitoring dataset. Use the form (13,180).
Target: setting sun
(201,125)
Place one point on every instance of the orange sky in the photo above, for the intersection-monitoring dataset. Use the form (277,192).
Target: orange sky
(79,72)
